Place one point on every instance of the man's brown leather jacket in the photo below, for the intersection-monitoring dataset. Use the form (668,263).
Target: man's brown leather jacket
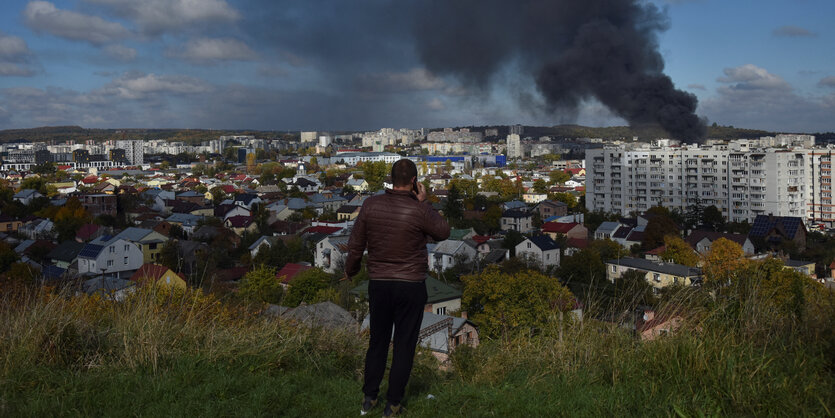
(394,227)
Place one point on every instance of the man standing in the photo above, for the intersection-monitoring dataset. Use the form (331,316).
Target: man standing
(394,227)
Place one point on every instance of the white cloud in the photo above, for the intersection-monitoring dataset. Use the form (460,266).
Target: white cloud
(43,16)
(827,81)
(137,86)
(14,56)
(208,50)
(751,77)
(157,16)
(754,98)
(121,53)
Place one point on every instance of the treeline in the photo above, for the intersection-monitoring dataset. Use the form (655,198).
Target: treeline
(77,133)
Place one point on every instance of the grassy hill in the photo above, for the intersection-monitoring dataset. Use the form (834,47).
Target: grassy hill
(159,354)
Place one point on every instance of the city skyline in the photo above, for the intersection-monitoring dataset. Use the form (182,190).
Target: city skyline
(241,64)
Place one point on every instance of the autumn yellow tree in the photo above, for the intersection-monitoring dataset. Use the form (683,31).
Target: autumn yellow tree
(503,303)
(678,251)
(723,262)
(250,162)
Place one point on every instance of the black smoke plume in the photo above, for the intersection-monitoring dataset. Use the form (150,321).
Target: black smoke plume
(573,49)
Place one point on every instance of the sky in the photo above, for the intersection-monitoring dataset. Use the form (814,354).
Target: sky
(361,65)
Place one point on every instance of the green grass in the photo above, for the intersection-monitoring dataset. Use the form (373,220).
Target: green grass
(193,356)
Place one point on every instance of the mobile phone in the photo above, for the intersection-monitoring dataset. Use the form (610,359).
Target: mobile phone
(415,187)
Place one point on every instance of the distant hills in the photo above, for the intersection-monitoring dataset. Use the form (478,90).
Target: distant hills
(196,136)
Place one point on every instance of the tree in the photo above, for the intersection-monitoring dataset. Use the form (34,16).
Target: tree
(678,251)
(7,256)
(723,261)
(503,303)
(250,163)
(493,217)
(309,286)
(45,169)
(539,186)
(713,219)
(453,210)
(566,198)
(511,240)
(261,285)
(633,289)
(657,228)
(559,177)
(35,183)
(375,173)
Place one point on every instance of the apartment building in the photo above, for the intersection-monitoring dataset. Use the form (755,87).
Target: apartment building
(514,146)
(741,181)
(819,204)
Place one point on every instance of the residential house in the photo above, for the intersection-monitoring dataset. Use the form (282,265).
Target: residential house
(540,250)
(569,230)
(628,236)
(158,275)
(37,228)
(192,196)
(359,185)
(331,253)
(26,196)
(442,334)
(517,220)
(65,253)
(549,208)
(263,243)
(449,253)
(773,230)
(533,197)
(115,257)
(225,212)
(702,240)
(606,230)
(658,274)
(89,232)
(328,202)
(186,221)
(241,224)
(461,234)
(150,242)
(99,204)
(110,288)
(278,212)
(289,272)
(348,212)
(804,267)
(304,185)
(9,224)
(247,200)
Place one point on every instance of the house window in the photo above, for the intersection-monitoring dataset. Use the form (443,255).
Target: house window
(152,246)
(440,311)
(109,263)
(547,256)
(614,269)
(112,248)
(656,277)
(529,245)
(127,247)
(126,260)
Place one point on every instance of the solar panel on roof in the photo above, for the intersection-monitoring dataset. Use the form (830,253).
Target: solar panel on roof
(90,251)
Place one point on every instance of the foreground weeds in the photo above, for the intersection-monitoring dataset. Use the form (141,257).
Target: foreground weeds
(188,354)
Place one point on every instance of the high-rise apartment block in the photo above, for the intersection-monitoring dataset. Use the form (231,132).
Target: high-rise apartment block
(514,146)
(819,180)
(134,150)
(741,181)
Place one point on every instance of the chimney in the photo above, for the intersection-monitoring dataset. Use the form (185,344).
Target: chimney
(464,314)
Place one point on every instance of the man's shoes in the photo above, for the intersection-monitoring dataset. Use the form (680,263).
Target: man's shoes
(368,403)
(393,410)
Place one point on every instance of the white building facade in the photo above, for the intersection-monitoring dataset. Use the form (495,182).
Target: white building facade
(742,182)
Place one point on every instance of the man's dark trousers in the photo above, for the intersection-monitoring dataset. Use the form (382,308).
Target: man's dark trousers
(398,303)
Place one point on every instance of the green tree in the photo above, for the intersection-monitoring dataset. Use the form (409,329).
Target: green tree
(7,256)
(632,289)
(559,177)
(511,240)
(539,186)
(713,219)
(566,198)
(503,304)
(375,173)
(493,217)
(678,251)
(261,285)
(453,209)
(35,183)
(309,286)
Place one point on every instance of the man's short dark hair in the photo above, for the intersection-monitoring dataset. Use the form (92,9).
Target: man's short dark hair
(402,172)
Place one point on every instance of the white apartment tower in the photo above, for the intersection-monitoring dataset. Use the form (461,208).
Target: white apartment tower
(821,210)
(742,183)
(134,150)
(514,146)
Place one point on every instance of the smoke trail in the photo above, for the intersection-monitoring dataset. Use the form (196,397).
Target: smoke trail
(574,50)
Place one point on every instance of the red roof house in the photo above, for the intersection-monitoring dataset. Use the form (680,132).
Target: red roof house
(290,271)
